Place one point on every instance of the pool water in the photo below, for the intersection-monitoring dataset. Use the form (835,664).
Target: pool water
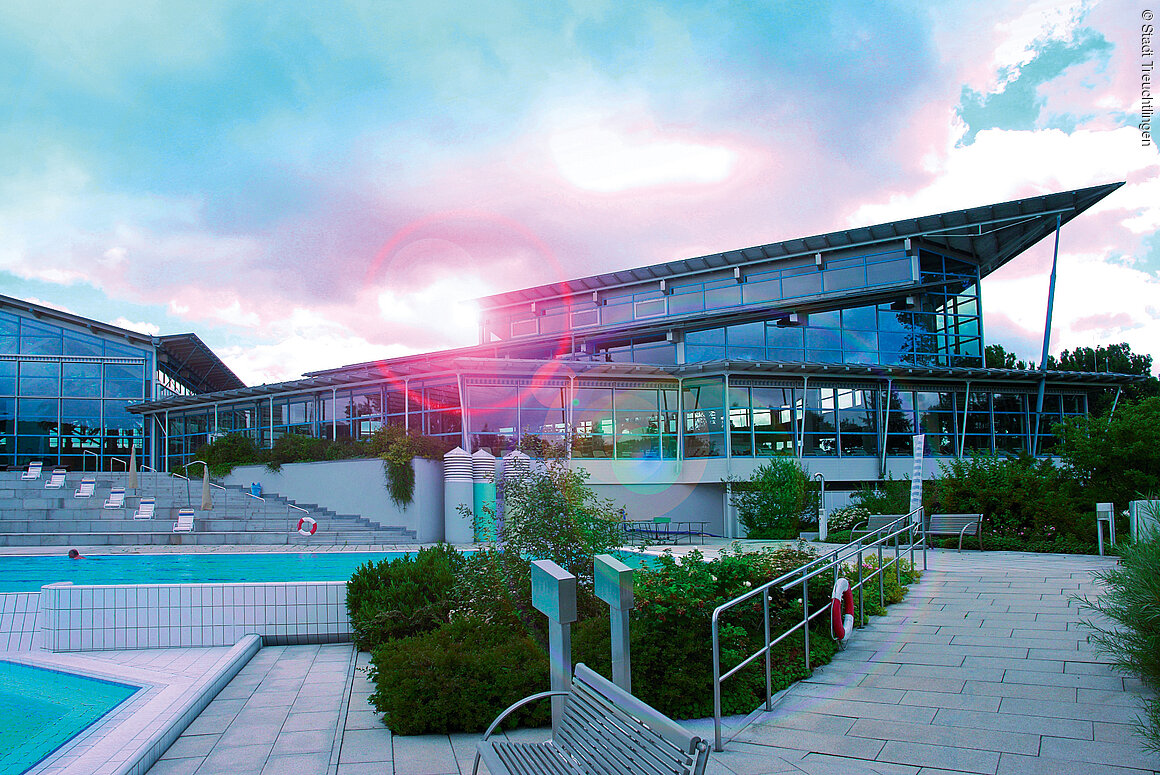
(41,710)
(29,574)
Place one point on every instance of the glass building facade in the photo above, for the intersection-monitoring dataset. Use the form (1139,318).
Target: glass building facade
(65,383)
(840,346)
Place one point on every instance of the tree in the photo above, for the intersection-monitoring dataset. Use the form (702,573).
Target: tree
(996,357)
(1113,358)
(1115,458)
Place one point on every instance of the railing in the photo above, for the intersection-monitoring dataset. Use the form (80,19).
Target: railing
(910,525)
(122,461)
(85,460)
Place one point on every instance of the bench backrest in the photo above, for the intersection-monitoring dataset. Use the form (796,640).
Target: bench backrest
(878,521)
(602,723)
(951,523)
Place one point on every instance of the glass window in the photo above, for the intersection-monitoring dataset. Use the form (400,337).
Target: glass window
(593,430)
(494,416)
(806,283)
(728,296)
(686,300)
(857,418)
(542,410)
(774,416)
(820,437)
(936,420)
(900,426)
(82,345)
(746,335)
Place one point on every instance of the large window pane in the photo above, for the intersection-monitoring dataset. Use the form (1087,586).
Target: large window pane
(820,437)
(593,430)
(857,412)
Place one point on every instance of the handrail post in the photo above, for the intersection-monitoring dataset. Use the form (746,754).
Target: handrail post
(897,564)
(806,612)
(881,579)
(768,664)
(861,589)
(717,742)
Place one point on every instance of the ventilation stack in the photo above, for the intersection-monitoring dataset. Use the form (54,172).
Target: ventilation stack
(483,494)
(457,491)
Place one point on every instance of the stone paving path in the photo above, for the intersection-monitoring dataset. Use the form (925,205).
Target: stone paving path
(983,669)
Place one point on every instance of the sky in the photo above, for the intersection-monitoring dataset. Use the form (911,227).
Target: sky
(307,185)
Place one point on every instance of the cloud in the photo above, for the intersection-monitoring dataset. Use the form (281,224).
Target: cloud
(141,327)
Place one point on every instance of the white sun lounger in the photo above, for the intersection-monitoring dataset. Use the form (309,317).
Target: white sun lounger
(184,523)
(145,508)
(56,480)
(116,499)
(88,486)
(34,469)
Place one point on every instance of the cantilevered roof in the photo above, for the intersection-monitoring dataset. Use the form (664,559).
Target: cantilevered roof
(993,234)
(190,358)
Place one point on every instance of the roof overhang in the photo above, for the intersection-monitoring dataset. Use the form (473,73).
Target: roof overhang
(189,357)
(991,235)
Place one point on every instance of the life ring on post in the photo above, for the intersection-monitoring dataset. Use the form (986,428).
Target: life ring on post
(307,526)
(842,612)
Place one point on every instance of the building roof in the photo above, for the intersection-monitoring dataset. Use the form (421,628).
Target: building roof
(994,234)
(194,362)
(94,326)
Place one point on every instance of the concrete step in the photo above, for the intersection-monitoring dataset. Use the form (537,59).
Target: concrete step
(321,538)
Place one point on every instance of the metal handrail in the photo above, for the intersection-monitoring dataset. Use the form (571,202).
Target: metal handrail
(911,524)
(188,498)
(122,461)
(84,460)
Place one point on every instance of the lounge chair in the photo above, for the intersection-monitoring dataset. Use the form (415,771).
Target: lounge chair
(116,499)
(145,508)
(88,486)
(56,479)
(34,469)
(184,523)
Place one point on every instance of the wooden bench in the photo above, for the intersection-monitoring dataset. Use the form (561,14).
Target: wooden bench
(603,729)
(875,523)
(955,524)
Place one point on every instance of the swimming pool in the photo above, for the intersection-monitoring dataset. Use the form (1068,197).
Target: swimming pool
(41,710)
(29,574)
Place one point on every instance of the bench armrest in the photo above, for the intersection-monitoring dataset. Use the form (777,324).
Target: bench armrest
(507,712)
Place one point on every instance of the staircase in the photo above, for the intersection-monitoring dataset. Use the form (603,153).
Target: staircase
(35,516)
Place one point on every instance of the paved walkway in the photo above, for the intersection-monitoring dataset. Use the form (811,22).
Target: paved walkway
(983,669)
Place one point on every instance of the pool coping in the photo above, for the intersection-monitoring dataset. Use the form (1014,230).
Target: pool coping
(130,739)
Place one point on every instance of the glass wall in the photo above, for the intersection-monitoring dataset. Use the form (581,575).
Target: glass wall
(63,396)
(626,421)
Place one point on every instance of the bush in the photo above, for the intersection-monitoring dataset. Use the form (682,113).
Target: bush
(402,597)
(1060,544)
(294,448)
(1019,497)
(671,631)
(771,502)
(1132,602)
(890,496)
(845,519)
(458,678)
(227,452)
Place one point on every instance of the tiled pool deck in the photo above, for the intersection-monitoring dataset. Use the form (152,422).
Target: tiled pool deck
(983,669)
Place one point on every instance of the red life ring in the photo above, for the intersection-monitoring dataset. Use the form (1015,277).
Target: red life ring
(842,612)
(307,526)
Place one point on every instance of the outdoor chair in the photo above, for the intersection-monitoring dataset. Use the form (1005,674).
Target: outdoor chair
(88,486)
(184,523)
(145,508)
(56,479)
(34,469)
(116,499)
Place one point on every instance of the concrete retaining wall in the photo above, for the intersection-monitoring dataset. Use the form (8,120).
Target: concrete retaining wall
(357,487)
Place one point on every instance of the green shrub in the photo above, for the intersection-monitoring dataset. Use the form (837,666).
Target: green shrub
(1132,602)
(1019,497)
(457,678)
(294,448)
(225,453)
(770,504)
(1060,544)
(402,597)
(890,496)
